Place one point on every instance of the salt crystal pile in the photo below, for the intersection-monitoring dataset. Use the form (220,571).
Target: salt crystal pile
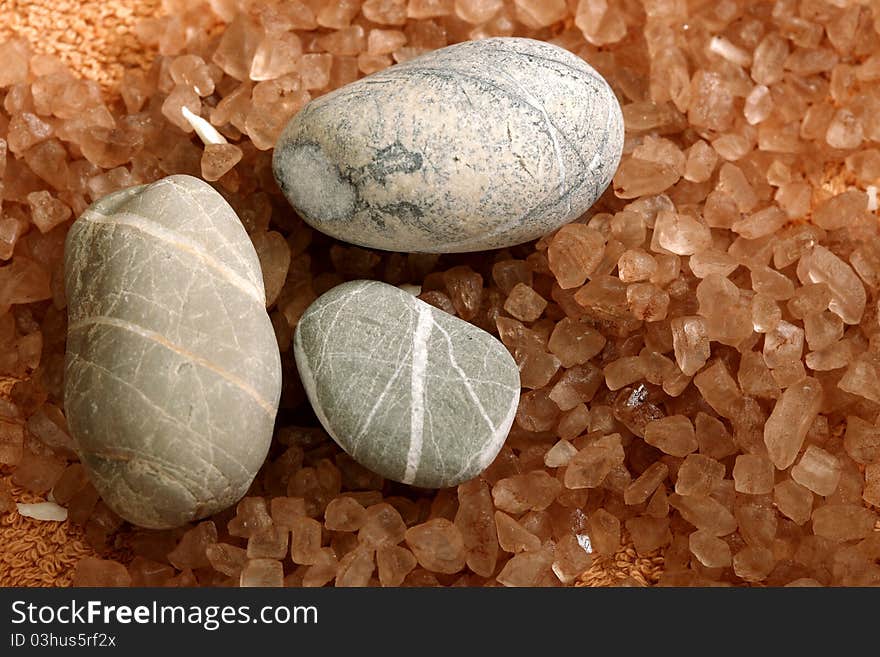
(696,353)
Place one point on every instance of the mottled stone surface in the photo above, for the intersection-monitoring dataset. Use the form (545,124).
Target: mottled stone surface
(173,375)
(410,392)
(480,145)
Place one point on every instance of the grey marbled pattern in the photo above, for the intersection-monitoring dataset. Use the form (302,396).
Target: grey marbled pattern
(173,375)
(410,392)
(480,145)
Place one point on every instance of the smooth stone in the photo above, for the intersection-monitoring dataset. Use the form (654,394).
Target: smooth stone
(173,374)
(410,392)
(481,145)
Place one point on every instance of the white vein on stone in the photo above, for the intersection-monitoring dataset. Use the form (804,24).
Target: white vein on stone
(421,335)
(178,241)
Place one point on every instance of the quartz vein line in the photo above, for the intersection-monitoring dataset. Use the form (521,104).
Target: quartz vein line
(421,335)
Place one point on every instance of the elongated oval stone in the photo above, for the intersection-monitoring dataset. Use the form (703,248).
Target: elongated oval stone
(480,145)
(173,375)
(410,392)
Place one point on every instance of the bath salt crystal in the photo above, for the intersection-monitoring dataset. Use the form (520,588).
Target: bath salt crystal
(691,343)
(589,467)
(843,522)
(262,573)
(647,302)
(860,378)
(533,491)
(570,559)
(191,551)
(527,569)
(698,475)
(753,563)
(871,493)
(91,571)
(574,342)
(513,537)
(790,420)
(713,437)
(848,297)
(285,510)
(47,211)
(437,545)
(475,521)
(673,435)
(382,526)
(648,534)
(753,474)
(323,571)
(732,181)
(862,440)
(755,378)
(710,550)
(680,234)
(524,303)
(574,253)
(270,543)
(305,542)
(710,261)
(758,105)
(783,345)
(822,329)
(191,71)
(344,514)
(793,501)
(839,211)
(251,517)
(644,486)
(560,454)
(394,564)
(218,159)
(817,470)
(227,559)
(704,513)
(577,385)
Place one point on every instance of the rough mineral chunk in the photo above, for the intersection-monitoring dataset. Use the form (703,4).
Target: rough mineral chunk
(173,374)
(480,145)
(407,390)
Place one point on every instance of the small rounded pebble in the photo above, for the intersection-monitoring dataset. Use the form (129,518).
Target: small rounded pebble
(408,391)
(480,145)
(173,375)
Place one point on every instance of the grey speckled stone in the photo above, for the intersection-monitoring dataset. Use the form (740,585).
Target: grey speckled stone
(410,392)
(480,145)
(173,375)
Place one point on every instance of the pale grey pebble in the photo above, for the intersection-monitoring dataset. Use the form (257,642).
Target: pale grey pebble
(173,375)
(410,392)
(480,145)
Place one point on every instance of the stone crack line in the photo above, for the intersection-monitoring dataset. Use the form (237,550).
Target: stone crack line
(421,336)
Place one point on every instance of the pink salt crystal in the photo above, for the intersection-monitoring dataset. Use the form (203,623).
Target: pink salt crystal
(636,265)
(623,372)
(710,261)
(848,296)
(871,492)
(537,411)
(758,105)
(477,12)
(285,510)
(306,540)
(146,572)
(604,532)
(38,473)
(251,517)
(668,266)
(793,501)
(822,329)
(420,9)
(534,491)
(344,514)
(26,130)
(7,502)
(673,435)
(274,254)
(845,131)
(841,210)
(570,559)
(704,513)
(384,42)
(524,303)
(476,524)
(536,366)
(713,438)
(691,343)
(356,568)
(382,526)
(861,378)
(111,147)
(536,14)
(226,559)
(572,423)
(648,534)
(574,253)
(191,551)
(47,211)
(843,522)
(787,426)
(783,345)
(733,182)
(712,105)
(395,563)
(72,480)
(237,46)
(262,573)
(465,287)
(645,485)
(437,545)
(191,71)
(269,543)
(589,467)
(385,12)
(753,474)
(817,470)
(512,536)
(526,569)
(709,550)
(577,385)
(348,41)
(722,305)
(680,234)
(575,342)
(701,161)
(754,377)
(753,563)
(862,440)
(314,70)
(90,571)
(324,569)
(172,109)
(218,160)
(771,283)
(698,475)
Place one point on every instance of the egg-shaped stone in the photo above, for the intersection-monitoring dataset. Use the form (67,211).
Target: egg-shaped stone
(173,375)
(480,145)
(410,392)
